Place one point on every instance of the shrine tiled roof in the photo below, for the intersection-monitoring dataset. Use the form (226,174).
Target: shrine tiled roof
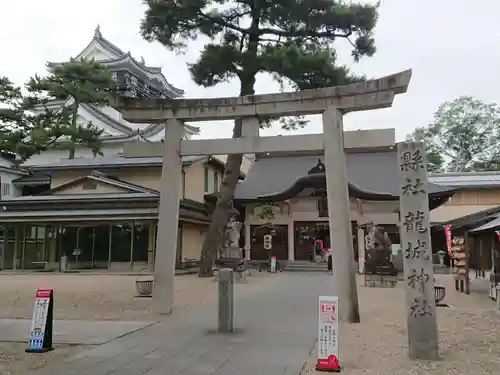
(374,173)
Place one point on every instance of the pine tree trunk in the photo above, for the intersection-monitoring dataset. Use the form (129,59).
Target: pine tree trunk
(214,239)
(74,118)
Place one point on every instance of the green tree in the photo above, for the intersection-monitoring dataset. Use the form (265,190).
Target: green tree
(10,116)
(464,136)
(435,162)
(292,40)
(79,82)
(19,132)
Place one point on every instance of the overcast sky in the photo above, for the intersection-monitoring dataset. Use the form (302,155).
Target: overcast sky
(451,45)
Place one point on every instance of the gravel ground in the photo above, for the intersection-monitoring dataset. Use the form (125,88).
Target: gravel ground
(92,297)
(469,335)
(14,361)
(104,297)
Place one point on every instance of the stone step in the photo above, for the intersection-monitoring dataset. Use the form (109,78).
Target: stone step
(306,267)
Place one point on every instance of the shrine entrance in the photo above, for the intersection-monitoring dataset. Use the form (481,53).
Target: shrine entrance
(305,232)
(268,241)
(331,102)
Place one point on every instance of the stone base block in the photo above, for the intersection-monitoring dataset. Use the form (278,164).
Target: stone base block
(238,276)
(381,281)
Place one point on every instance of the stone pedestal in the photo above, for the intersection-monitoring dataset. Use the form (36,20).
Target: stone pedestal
(232,253)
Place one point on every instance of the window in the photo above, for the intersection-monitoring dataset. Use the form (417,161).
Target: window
(5,189)
(205,179)
(216,181)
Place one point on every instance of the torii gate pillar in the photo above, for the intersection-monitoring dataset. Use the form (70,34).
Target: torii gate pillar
(168,218)
(339,216)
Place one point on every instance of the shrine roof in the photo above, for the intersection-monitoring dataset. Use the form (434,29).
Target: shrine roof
(370,174)
(489,226)
(467,180)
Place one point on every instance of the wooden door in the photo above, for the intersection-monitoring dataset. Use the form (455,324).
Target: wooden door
(279,242)
(304,232)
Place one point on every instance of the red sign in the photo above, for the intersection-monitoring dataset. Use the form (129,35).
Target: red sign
(43,293)
(447,233)
(328,310)
(498,234)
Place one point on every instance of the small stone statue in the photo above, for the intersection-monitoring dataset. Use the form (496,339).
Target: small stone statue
(232,239)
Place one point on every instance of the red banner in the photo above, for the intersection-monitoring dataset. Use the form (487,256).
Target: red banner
(498,234)
(447,233)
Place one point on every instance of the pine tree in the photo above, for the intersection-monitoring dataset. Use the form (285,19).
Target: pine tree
(17,124)
(78,82)
(290,39)
(10,116)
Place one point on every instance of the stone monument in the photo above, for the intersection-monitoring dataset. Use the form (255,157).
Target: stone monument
(331,102)
(416,244)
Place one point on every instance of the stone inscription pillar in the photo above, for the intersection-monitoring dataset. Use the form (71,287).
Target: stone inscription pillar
(226,300)
(417,253)
(344,269)
(166,243)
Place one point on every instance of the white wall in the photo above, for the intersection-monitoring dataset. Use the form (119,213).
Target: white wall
(7,178)
(53,155)
(11,191)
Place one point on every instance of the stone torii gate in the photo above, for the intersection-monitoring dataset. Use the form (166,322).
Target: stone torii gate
(331,102)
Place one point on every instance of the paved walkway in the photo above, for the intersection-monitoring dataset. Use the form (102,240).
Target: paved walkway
(276,332)
(85,332)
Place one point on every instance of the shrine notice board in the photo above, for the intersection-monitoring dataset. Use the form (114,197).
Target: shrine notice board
(41,331)
(328,335)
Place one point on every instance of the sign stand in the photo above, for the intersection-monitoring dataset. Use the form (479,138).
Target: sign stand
(42,328)
(273,264)
(328,335)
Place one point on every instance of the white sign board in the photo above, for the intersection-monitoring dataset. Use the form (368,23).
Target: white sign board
(40,338)
(273,264)
(328,334)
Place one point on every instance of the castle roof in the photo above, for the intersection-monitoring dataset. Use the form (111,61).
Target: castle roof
(114,58)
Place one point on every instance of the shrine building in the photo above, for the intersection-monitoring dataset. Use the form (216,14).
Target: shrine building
(284,195)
